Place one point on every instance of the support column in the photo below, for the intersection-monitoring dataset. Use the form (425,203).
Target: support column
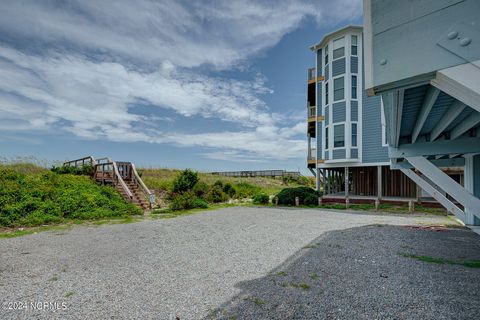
(318,177)
(346,183)
(379,182)
(472,184)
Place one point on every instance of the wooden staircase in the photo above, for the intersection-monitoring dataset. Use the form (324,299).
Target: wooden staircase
(122,175)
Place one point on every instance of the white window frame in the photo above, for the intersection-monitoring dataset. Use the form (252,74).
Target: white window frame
(344,123)
(384,125)
(344,48)
(344,88)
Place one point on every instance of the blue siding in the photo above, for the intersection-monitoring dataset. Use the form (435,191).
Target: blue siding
(339,154)
(372,131)
(354,153)
(319,123)
(338,67)
(339,112)
(326,156)
(327,115)
(319,62)
(354,65)
(327,74)
(354,107)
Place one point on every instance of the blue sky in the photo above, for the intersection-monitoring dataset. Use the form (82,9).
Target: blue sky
(209,85)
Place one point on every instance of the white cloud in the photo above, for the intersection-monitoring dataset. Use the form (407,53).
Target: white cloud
(81,66)
(187,33)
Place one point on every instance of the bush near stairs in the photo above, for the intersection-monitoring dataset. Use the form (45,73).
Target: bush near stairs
(49,197)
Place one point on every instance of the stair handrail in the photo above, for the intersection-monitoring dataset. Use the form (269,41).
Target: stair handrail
(148,192)
(91,159)
(121,181)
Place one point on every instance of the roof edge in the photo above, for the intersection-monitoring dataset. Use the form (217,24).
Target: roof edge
(330,35)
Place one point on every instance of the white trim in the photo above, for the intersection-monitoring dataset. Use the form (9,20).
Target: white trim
(447,184)
(351,163)
(384,125)
(450,206)
(461,82)
(368,46)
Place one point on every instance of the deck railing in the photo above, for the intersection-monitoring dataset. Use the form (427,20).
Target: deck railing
(147,192)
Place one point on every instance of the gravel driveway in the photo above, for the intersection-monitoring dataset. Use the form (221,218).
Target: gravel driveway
(243,263)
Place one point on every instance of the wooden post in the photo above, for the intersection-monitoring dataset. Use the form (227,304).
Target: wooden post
(297,201)
(411,206)
(319,201)
(276,201)
(347,203)
(379,182)
(346,184)
(377,204)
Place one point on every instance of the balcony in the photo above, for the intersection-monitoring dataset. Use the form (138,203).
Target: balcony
(312,112)
(313,77)
(312,157)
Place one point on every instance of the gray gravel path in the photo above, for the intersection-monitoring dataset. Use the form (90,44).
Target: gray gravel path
(220,264)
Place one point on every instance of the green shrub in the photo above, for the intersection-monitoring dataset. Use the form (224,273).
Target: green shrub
(35,199)
(218,183)
(311,200)
(201,189)
(287,196)
(86,169)
(216,194)
(185,181)
(261,198)
(229,189)
(200,203)
(246,190)
(187,200)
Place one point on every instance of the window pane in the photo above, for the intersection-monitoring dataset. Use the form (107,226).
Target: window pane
(354,87)
(339,136)
(338,53)
(326,55)
(339,43)
(326,92)
(354,134)
(326,138)
(354,40)
(338,89)
(354,50)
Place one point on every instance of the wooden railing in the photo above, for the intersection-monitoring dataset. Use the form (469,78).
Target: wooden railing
(108,171)
(116,173)
(147,192)
(81,162)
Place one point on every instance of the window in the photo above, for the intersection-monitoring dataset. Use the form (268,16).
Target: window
(338,89)
(326,137)
(338,48)
(354,87)
(326,55)
(354,134)
(326,93)
(339,136)
(354,45)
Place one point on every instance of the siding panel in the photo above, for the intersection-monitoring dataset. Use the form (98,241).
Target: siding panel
(354,65)
(327,74)
(327,115)
(354,153)
(354,107)
(338,67)
(339,112)
(372,131)
(339,154)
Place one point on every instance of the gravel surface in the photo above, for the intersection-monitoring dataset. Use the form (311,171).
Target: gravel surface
(243,263)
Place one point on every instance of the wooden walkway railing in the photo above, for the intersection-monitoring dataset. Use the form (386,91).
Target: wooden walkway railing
(116,173)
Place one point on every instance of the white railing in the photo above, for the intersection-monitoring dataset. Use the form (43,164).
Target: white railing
(312,154)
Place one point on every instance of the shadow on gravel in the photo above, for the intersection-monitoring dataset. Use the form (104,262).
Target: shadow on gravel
(366,273)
